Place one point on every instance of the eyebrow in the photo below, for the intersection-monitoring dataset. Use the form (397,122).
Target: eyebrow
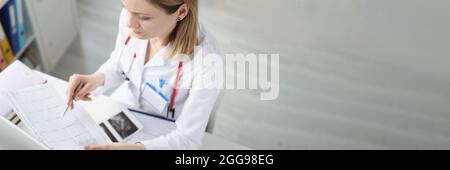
(138,13)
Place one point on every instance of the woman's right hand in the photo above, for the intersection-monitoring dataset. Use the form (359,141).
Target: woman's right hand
(81,86)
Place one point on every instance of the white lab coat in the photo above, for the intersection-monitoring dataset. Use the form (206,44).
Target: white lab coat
(195,99)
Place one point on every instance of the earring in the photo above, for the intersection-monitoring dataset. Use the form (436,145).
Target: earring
(179,19)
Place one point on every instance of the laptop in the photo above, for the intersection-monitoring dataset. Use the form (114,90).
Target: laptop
(14,138)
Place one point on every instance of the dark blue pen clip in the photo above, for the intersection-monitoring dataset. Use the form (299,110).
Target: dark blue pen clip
(125,76)
(171,113)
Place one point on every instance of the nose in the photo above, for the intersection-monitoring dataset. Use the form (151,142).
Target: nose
(133,22)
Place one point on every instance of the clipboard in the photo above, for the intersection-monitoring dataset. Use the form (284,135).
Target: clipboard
(151,115)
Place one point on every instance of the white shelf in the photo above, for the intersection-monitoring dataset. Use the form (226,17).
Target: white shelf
(18,56)
(30,38)
(2,3)
(43,20)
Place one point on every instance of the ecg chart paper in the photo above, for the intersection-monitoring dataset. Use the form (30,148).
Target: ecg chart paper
(41,110)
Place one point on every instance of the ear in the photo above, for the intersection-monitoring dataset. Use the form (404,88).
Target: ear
(183,11)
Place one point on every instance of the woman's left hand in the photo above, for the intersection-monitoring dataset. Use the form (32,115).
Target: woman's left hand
(116,146)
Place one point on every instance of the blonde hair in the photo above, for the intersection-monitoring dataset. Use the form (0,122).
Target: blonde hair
(184,38)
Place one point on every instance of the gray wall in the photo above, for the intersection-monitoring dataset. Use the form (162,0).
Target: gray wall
(355,74)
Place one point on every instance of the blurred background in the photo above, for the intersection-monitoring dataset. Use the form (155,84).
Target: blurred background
(354,74)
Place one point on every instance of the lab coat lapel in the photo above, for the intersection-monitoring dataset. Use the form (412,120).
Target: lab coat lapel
(141,50)
(158,59)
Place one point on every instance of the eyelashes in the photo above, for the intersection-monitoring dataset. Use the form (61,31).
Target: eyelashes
(145,18)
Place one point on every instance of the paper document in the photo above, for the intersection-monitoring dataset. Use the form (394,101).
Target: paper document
(18,76)
(15,77)
(5,108)
(41,110)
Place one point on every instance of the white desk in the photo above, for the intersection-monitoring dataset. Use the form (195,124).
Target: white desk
(210,142)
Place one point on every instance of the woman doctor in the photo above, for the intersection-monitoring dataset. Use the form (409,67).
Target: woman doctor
(165,60)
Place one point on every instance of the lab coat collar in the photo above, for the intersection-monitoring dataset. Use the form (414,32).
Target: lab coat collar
(157,60)
(141,50)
